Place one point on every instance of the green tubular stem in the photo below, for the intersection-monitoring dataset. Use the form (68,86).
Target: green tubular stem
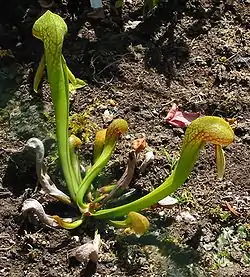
(119,224)
(176,179)
(51,28)
(97,153)
(68,225)
(60,96)
(93,172)
(73,225)
(115,129)
(75,164)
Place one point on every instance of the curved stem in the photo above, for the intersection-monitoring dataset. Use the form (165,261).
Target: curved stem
(74,143)
(173,182)
(93,172)
(115,129)
(51,29)
(72,224)
(119,224)
(207,129)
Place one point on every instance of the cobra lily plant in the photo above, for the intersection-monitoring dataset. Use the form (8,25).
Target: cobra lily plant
(90,200)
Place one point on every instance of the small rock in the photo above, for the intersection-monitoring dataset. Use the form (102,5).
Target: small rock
(102,107)
(198,83)
(155,113)
(76,238)
(208,246)
(236,255)
(161,213)
(19,44)
(131,25)
(186,216)
(168,201)
(246,139)
(147,116)
(112,102)
(43,242)
(107,116)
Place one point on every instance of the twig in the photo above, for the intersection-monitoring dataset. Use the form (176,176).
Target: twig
(232,210)
(6,248)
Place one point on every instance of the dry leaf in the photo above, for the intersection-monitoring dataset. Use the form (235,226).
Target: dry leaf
(88,251)
(46,183)
(139,144)
(33,206)
(180,119)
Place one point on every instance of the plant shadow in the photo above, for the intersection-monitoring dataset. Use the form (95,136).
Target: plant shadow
(97,57)
(20,173)
(102,56)
(89,271)
(177,259)
(102,46)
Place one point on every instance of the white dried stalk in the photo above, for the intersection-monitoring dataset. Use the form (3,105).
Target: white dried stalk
(149,157)
(33,206)
(47,185)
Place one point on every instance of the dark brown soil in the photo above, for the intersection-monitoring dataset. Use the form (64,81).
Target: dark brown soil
(193,53)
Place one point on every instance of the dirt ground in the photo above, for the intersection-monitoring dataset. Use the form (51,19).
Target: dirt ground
(193,53)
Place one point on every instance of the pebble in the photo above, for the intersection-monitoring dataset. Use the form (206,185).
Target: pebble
(76,238)
(168,201)
(186,216)
(107,116)
(161,213)
(19,44)
(131,25)
(43,242)
(208,246)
